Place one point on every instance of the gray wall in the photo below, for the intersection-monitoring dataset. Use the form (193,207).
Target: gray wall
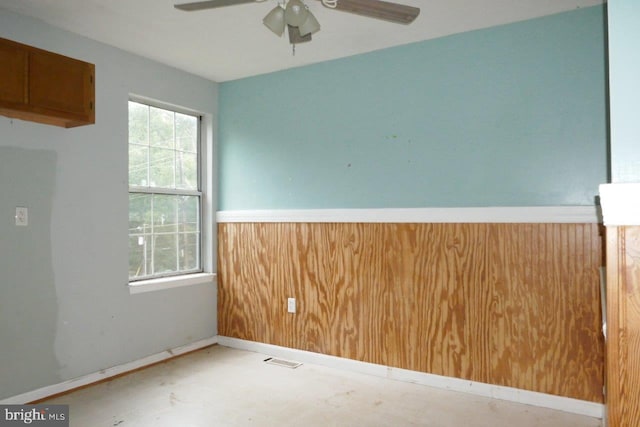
(65,309)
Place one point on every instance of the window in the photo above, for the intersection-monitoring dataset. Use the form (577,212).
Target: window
(165,198)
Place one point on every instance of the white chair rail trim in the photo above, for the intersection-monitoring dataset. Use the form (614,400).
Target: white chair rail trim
(519,214)
(620,204)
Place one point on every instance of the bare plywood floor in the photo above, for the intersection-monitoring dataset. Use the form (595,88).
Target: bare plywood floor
(219,386)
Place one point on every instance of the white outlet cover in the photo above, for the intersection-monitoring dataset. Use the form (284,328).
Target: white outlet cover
(291,305)
(22,216)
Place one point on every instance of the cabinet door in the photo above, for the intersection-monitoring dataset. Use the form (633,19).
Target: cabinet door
(13,74)
(60,83)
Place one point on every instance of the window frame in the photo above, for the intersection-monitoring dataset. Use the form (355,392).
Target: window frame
(200,274)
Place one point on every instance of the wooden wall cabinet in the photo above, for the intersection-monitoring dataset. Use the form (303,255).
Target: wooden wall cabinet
(45,87)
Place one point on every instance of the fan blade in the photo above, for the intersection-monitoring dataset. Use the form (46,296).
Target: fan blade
(394,12)
(200,5)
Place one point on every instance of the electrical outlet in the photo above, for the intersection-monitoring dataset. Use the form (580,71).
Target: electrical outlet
(291,305)
(22,217)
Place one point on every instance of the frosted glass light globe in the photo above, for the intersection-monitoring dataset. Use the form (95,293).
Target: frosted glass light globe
(296,13)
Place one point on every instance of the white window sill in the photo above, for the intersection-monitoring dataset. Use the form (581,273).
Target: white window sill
(171,282)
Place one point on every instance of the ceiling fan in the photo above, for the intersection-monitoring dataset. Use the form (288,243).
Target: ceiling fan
(300,22)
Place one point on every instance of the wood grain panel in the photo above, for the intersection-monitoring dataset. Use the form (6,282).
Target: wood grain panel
(45,87)
(13,74)
(545,325)
(510,304)
(60,83)
(623,325)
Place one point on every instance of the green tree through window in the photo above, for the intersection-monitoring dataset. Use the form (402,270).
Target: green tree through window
(164,192)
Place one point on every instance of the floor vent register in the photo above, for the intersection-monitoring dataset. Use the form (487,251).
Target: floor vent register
(283,363)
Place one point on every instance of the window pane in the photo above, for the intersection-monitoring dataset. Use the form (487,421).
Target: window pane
(139,226)
(147,243)
(186,133)
(162,168)
(139,213)
(164,229)
(161,128)
(139,261)
(138,123)
(189,245)
(164,214)
(189,213)
(138,164)
(165,258)
(186,170)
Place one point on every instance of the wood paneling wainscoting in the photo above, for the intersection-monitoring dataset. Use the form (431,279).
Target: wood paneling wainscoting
(516,305)
(623,325)
(621,212)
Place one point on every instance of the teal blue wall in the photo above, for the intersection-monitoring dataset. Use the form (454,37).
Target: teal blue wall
(624,73)
(508,116)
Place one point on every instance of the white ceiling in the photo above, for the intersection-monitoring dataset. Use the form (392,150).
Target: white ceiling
(231,42)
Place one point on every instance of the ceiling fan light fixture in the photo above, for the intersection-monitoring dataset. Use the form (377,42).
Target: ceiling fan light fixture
(310,25)
(296,16)
(275,20)
(296,13)
(295,37)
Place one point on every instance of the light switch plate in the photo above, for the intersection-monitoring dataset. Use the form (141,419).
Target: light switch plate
(22,216)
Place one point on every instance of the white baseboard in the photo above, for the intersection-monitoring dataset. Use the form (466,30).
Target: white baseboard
(566,404)
(62,387)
